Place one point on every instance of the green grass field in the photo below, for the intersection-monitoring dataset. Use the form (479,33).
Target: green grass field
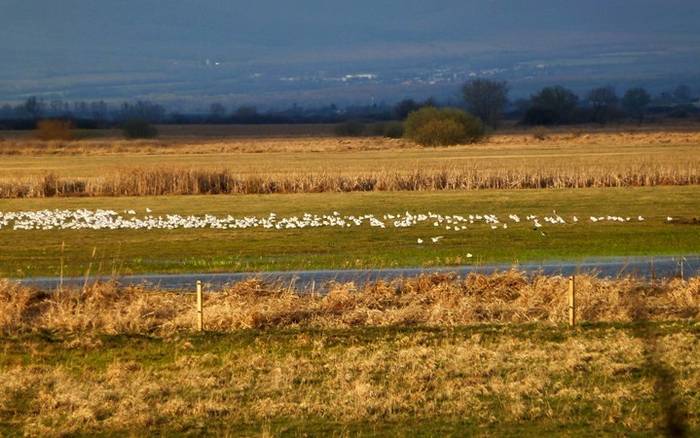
(35,253)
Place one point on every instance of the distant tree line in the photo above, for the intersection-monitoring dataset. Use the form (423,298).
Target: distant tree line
(486,99)
(557,105)
(99,114)
(82,115)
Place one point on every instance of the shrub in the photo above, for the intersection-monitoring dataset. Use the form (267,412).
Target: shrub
(54,130)
(139,128)
(350,129)
(443,127)
(439,133)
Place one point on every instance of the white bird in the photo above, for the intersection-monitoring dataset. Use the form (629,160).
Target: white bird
(469,255)
(669,218)
(102,219)
(420,241)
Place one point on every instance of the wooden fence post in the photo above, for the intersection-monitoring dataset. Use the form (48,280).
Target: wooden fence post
(572,301)
(200,316)
(682,273)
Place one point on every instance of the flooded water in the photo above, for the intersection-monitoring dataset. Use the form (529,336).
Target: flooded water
(648,267)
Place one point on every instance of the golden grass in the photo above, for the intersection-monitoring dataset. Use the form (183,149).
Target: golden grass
(112,146)
(437,300)
(302,165)
(207,145)
(413,378)
(164,181)
(266,381)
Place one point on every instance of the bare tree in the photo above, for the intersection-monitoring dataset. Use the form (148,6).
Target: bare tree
(683,94)
(552,106)
(6,111)
(143,110)
(604,104)
(99,110)
(56,107)
(635,102)
(405,107)
(33,107)
(486,99)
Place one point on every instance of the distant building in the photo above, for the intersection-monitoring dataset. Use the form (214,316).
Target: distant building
(359,77)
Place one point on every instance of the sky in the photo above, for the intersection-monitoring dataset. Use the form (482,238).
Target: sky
(168,49)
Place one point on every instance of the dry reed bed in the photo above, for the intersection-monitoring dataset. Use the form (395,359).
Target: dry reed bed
(437,300)
(162,181)
(110,146)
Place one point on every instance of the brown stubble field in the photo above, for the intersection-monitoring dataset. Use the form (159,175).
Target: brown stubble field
(183,165)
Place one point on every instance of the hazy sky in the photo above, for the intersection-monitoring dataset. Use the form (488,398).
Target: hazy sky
(128,27)
(92,39)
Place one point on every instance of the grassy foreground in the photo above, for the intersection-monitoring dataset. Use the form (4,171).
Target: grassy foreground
(523,380)
(32,253)
(397,359)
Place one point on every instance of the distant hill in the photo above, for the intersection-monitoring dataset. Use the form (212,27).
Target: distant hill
(313,51)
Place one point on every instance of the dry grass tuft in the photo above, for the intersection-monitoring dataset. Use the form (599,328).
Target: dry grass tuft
(437,300)
(54,130)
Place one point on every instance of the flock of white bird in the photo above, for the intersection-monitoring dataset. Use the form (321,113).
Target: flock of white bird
(100,219)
